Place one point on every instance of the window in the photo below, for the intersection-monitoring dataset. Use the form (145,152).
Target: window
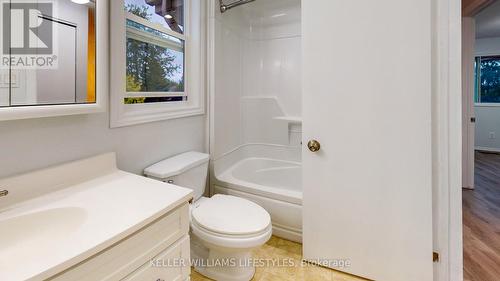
(487,79)
(156,60)
(155,52)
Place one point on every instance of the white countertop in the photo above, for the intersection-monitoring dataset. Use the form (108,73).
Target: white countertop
(48,234)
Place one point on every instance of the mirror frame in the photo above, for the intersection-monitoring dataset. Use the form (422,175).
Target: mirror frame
(102,76)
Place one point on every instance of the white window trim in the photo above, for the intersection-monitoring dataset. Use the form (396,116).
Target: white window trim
(100,105)
(486,104)
(139,36)
(194,75)
(154,94)
(157,26)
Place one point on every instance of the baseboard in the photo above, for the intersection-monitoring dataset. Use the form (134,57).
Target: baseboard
(487,149)
(287,234)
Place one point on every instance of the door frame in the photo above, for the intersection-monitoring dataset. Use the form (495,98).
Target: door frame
(468,145)
(447,140)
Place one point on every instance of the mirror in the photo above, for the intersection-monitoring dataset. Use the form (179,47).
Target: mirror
(48,53)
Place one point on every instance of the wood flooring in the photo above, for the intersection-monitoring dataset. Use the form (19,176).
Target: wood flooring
(481,221)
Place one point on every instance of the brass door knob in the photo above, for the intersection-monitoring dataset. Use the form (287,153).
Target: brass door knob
(314,145)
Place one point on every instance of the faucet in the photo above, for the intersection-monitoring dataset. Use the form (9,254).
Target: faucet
(4,193)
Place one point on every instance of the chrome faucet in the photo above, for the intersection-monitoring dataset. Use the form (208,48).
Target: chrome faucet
(4,193)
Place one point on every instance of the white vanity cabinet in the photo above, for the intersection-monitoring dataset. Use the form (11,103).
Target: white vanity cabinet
(178,251)
(159,251)
(89,221)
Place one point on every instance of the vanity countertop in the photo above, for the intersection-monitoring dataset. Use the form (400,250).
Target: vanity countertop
(48,234)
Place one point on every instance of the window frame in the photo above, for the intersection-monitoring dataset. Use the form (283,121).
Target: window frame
(477,81)
(131,114)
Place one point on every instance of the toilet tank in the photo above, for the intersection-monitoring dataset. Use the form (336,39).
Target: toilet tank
(188,170)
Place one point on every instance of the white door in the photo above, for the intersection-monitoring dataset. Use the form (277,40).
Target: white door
(367,100)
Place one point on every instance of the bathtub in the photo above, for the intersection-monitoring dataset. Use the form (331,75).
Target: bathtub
(270,176)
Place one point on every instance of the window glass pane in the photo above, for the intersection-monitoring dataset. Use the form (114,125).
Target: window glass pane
(155,61)
(154,99)
(168,13)
(490,80)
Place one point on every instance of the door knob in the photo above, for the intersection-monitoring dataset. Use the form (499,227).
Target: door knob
(314,145)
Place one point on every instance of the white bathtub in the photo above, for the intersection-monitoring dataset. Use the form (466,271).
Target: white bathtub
(274,183)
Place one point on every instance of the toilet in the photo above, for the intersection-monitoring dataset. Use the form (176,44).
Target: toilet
(224,228)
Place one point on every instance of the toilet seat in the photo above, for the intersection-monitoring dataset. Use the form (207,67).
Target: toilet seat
(230,221)
(230,215)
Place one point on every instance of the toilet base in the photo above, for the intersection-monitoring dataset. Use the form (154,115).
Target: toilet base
(221,264)
(220,275)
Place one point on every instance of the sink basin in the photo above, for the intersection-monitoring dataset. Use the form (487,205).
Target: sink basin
(39,230)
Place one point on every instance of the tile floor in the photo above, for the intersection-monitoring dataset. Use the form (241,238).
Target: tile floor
(280,249)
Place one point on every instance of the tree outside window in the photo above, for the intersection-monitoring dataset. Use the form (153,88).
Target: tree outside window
(487,84)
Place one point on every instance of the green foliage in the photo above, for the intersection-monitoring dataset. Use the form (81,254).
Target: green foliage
(132,85)
(490,80)
(150,67)
(134,100)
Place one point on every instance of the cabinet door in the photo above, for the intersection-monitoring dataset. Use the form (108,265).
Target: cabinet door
(367,101)
(171,265)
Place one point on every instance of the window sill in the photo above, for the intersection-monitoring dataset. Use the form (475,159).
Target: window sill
(136,117)
(487,104)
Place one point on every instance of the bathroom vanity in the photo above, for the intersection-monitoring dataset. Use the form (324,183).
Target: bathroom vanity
(87,220)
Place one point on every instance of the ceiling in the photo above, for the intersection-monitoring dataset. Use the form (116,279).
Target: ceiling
(488,21)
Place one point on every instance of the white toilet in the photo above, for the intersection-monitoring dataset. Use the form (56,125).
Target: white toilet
(224,229)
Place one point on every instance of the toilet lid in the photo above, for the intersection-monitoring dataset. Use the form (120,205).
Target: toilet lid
(232,215)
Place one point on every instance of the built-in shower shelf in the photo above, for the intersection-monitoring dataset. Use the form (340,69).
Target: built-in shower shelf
(296,120)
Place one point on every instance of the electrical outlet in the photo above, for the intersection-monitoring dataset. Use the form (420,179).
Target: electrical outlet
(492,136)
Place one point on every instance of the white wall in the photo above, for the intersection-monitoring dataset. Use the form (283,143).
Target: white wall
(257,74)
(488,117)
(27,145)
(272,62)
(228,74)
(488,128)
(488,46)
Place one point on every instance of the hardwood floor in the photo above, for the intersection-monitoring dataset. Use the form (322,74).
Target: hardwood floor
(481,221)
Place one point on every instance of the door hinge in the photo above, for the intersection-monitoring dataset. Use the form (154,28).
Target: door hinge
(435,257)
